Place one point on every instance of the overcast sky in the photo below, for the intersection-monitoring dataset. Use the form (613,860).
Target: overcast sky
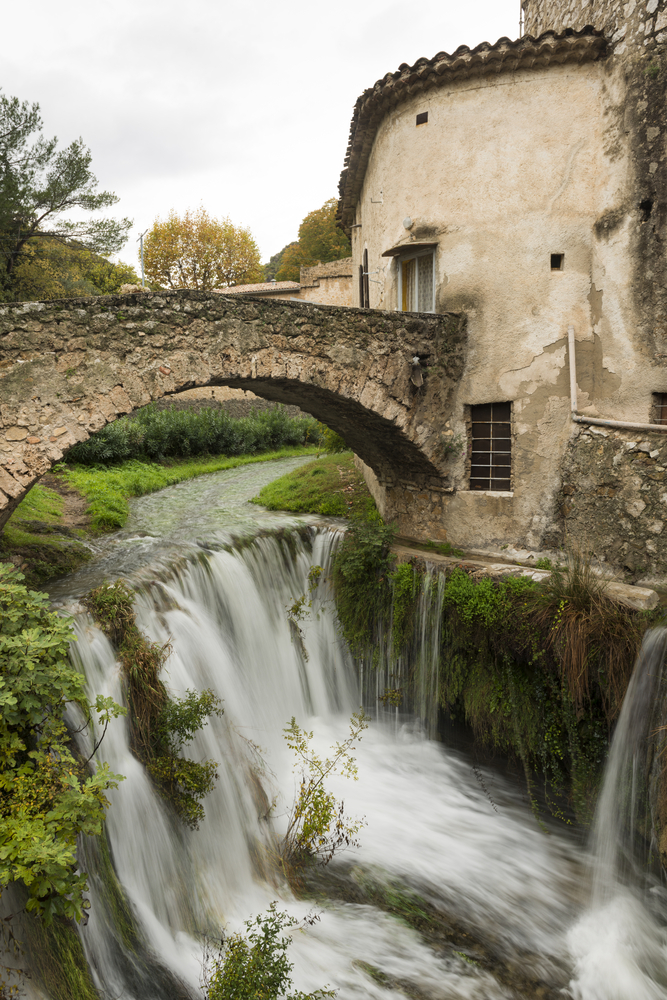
(242,107)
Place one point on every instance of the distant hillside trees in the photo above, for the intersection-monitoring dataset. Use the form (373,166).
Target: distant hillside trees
(320,241)
(39,184)
(197,251)
(273,266)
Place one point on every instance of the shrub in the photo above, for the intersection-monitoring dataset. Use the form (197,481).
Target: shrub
(254,965)
(158,434)
(48,796)
(159,725)
(361,569)
(317,827)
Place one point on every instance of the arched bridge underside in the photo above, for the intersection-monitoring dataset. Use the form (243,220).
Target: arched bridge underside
(69,367)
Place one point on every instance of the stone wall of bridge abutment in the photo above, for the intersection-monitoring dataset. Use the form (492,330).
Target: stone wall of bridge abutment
(67,368)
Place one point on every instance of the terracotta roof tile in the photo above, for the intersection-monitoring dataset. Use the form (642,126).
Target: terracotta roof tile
(261,288)
(505,56)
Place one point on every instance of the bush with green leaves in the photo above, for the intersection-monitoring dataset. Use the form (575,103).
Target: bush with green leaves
(254,965)
(154,433)
(48,793)
(160,726)
(361,569)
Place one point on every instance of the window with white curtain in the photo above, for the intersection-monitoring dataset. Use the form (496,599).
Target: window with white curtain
(417,282)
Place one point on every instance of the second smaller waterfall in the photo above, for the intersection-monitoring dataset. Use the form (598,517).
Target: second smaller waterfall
(620,945)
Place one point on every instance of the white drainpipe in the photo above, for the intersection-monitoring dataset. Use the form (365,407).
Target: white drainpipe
(579,418)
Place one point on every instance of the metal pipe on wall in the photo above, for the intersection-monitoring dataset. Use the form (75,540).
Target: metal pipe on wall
(580,418)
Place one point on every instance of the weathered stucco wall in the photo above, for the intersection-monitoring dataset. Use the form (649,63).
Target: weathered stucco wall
(506,172)
(328,284)
(68,368)
(511,168)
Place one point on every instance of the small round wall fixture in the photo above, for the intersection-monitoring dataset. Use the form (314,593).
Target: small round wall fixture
(407,222)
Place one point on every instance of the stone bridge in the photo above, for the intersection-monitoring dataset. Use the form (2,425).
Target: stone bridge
(67,368)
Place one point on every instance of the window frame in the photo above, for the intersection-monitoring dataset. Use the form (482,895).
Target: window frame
(509,480)
(658,408)
(404,258)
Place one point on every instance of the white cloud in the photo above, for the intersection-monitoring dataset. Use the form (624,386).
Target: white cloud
(242,107)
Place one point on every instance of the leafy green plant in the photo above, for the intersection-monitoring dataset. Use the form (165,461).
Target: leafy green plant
(254,965)
(361,570)
(317,827)
(543,563)
(159,725)
(405,591)
(48,797)
(184,781)
(156,434)
(332,443)
(451,444)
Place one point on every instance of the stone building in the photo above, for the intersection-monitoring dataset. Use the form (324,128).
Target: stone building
(324,284)
(523,184)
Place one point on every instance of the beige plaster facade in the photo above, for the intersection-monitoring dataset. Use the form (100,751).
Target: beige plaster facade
(528,155)
(324,284)
(328,284)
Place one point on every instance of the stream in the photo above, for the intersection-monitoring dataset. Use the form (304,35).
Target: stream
(505,908)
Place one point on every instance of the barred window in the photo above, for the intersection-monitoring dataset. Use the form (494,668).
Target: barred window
(491,458)
(659,408)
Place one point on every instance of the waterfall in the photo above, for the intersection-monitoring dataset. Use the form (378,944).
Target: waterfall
(402,684)
(620,945)
(506,893)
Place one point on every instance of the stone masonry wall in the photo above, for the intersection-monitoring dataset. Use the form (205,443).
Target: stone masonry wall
(69,367)
(613,500)
(329,284)
(626,23)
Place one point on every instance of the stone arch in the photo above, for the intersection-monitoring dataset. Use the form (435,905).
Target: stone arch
(69,367)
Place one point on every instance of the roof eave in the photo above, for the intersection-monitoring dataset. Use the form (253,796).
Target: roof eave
(550,48)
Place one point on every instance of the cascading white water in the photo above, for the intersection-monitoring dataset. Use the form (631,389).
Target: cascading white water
(385,672)
(620,945)
(430,828)
(512,898)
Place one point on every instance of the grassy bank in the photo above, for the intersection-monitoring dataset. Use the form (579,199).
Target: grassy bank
(332,486)
(37,540)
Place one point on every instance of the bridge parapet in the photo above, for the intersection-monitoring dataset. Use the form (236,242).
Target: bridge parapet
(68,367)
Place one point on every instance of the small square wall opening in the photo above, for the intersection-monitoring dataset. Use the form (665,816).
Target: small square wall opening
(557,261)
(422,118)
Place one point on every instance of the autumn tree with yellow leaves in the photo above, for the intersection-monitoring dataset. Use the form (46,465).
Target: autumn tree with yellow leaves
(320,241)
(197,251)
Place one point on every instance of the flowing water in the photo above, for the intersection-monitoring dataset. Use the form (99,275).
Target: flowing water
(509,909)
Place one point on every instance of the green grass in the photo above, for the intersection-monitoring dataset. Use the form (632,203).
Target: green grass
(37,543)
(108,489)
(331,486)
(41,504)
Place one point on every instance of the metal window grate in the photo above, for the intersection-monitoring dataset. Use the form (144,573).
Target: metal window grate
(422,118)
(660,407)
(491,458)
